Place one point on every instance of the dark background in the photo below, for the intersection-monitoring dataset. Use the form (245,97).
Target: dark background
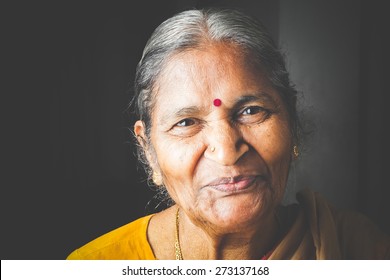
(69,171)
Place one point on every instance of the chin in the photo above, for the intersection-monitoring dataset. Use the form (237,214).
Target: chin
(229,216)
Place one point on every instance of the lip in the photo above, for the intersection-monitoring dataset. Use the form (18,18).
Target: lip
(233,184)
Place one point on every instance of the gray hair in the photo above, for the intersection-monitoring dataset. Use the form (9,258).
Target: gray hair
(188,30)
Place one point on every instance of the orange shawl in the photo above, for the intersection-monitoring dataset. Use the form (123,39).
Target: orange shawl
(321,232)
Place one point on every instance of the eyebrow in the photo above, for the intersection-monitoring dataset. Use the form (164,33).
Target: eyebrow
(183,112)
(186,111)
(258,96)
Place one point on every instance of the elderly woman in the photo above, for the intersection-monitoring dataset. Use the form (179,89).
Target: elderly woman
(218,130)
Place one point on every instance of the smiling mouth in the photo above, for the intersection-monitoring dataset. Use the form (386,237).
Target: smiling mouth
(233,184)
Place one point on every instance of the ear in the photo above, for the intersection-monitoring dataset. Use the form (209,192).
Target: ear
(140,133)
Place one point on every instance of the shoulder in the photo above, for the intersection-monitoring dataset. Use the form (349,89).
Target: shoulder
(127,242)
(360,238)
(356,236)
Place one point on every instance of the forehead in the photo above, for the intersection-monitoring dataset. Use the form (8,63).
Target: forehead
(211,57)
(208,69)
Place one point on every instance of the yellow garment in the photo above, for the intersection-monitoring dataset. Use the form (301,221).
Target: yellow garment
(314,230)
(128,242)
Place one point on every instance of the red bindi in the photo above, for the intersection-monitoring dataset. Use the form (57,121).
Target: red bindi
(217,102)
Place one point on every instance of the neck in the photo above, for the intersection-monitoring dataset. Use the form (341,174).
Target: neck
(199,242)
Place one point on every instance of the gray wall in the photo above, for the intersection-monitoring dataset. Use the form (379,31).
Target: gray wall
(337,54)
(321,42)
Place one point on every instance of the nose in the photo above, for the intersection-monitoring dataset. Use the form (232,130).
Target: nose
(226,144)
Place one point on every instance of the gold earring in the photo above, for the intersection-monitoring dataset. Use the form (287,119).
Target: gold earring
(295,151)
(157,178)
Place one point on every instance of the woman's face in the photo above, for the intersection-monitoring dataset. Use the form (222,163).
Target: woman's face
(226,166)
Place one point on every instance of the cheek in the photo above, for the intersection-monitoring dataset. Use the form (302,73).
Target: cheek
(177,161)
(273,143)
(176,158)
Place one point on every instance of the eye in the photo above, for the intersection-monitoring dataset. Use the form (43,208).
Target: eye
(186,127)
(252,110)
(185,123)
(253,114)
